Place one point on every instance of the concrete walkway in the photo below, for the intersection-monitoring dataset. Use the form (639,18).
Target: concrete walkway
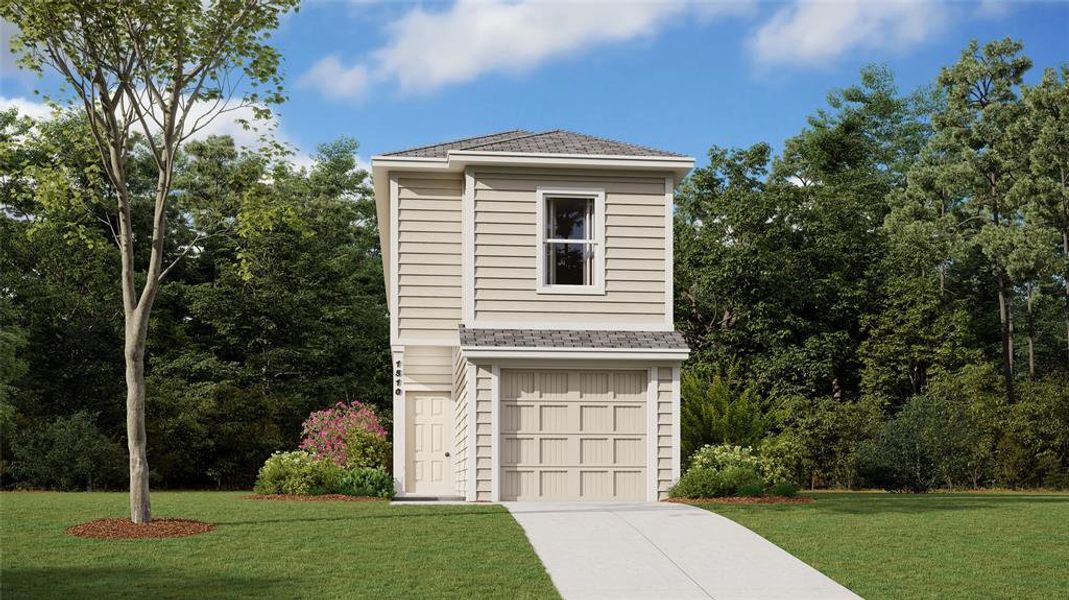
(663,551)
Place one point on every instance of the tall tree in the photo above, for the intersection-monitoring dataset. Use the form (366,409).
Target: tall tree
(164,70)
(981,161)
(1043,136)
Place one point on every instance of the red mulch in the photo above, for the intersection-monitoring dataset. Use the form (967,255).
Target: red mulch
(320,498)
(125,529)
(745,500)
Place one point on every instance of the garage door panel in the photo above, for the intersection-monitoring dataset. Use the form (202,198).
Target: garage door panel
(553,418)
(629,419)
(573,435)
(595,485)
(594,452)
(628,451)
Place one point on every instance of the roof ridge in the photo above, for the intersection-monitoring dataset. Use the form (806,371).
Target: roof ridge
(457,141)
(610,140)
(512,139)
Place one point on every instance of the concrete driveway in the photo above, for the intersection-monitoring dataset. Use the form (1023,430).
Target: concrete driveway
(662,551)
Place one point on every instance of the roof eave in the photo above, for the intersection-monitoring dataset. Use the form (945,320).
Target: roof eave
(670,354)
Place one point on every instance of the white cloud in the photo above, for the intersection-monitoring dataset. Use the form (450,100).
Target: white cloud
(26,107)
(336,80)
(427,50)
(817,32)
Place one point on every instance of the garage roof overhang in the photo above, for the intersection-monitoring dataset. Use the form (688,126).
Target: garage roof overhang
(572,344)
(575,353)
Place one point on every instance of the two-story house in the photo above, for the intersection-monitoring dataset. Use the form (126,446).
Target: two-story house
(529,278)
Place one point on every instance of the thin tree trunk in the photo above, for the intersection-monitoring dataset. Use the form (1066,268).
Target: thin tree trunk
(140,507)
(1007,348)
(1065,280)
(1031,333)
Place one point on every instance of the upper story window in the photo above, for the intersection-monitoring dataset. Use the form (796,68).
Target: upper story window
(571,241)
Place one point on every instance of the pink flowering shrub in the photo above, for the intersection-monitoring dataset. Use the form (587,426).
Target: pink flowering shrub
(327,431)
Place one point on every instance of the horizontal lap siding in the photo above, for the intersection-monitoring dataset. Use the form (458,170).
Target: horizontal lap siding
(428,257)
(506,250)
(428,367)
(460,426)
(483,434)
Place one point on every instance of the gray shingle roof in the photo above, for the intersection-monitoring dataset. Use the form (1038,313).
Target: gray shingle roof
(441,149)
(557,141)
(568,338)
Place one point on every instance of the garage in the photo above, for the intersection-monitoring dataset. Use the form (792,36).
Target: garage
(573,434)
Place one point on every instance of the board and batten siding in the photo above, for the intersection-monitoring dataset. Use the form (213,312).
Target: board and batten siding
(505,248)
(428,224)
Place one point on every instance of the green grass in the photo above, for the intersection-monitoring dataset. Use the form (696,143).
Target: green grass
(984,545)
(267,549)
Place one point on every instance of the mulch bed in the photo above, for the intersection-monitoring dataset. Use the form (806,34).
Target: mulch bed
(320,498)
(745,500)
(125,529)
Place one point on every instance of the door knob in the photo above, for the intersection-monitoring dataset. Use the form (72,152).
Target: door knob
(447,455)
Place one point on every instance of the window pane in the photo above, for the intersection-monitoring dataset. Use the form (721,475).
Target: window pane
(569,218)
(569,264)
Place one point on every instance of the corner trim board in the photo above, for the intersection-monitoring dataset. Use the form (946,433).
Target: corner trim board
(651,434)
(676,458)
(495,440)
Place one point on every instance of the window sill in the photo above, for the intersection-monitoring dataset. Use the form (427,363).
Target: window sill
(583,290)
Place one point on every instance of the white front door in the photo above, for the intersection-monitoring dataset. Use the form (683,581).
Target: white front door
(430,444)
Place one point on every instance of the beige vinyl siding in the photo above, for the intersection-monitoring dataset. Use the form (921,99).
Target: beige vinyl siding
(506,250)
(665,449)
(483,434)
(428,368)
(428,257)
(460,427)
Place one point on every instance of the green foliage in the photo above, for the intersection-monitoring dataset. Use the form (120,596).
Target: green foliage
(67,453)
(718,411)
(718,458)
(235,361)
(787,490)
(713,483)
(366,449)
(372,482)
(298,473)
(783,458)
(302,474)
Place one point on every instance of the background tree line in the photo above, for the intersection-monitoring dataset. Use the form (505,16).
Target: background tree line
(281,313)
(885,302)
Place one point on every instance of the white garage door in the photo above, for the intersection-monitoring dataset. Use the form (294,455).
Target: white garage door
(573,435)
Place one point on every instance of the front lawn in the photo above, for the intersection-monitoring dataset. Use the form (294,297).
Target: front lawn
(267,549)
(983,545)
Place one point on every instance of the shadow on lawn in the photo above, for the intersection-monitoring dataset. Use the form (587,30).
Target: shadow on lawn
(132,582)
(863,504)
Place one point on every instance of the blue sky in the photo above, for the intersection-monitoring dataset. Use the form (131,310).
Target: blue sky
(677,75)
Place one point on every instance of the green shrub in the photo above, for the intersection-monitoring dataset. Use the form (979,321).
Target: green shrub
(789,490)
(751,490)
(366,481)
(718,410)
(709,483)
(298,473)
(718,458)
(367,449)
(782,458)
(67,453)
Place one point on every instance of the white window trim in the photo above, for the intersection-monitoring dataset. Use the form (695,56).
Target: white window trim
(598,195)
